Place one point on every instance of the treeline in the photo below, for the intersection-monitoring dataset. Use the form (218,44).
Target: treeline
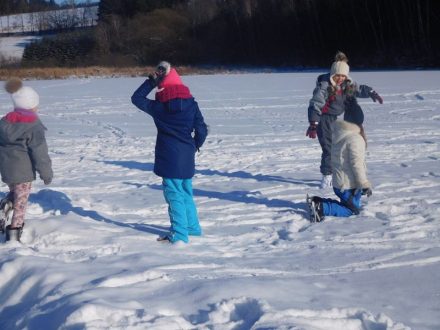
(374,33)
(10,7)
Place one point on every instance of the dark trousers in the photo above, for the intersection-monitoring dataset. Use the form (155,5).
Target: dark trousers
(325,129)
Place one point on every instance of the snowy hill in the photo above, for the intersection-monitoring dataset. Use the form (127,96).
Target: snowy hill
(90,260)
(24,26)
(49,20)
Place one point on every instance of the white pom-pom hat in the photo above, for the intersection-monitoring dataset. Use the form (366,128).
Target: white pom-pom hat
(340,67)
(25,98)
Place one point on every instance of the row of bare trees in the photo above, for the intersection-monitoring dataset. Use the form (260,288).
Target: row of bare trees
(9,7)
(52,20)
(24,16)
(374,33)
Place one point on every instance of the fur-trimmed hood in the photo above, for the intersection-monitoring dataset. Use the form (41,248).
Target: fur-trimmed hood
(343,128)
(348,157)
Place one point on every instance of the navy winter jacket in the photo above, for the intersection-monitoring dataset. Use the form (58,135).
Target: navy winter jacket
(181,130)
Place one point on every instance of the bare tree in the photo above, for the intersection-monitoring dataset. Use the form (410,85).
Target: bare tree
(62,19)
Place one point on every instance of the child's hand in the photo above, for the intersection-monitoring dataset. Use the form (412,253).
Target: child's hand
(311,131)
(155,79)
(375,97)
(152,79)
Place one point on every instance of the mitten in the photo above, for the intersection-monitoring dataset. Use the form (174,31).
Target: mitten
(152,79)
(375,97)
(311,131)
(367,191)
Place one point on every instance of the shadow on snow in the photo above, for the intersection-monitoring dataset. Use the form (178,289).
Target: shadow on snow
(52,200)
(133,165)
(239,197)
(234,196)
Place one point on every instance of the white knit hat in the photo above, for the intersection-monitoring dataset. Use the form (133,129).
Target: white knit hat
(340,67)
(23,97)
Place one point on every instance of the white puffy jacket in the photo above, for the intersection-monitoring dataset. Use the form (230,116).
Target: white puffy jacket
(348,157)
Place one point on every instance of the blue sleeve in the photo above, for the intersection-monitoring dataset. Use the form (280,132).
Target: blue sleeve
(200,128)
(139,98)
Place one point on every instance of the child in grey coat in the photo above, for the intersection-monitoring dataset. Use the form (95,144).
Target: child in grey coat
(23,152)
(335,94)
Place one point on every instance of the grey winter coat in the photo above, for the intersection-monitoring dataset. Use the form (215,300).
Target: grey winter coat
(321,103)
(348,157)
(23,148)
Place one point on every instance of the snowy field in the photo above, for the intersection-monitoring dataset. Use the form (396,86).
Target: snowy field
(12,48)
(89,258)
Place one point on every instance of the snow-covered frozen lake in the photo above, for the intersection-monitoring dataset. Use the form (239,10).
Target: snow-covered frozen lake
(12,48)
(90,259)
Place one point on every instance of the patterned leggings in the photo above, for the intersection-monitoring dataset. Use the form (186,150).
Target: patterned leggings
(19,194)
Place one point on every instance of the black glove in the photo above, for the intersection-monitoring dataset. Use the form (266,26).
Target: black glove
(375,97)
(47,181)
(311,131)
(367,191)
(152,79)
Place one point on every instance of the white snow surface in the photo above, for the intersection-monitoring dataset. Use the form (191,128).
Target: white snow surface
(12,48)
(89,258)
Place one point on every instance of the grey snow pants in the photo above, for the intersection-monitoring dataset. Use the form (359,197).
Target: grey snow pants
(325,129)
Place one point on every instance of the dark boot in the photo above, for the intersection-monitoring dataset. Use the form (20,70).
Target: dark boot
(13,234)
(6,212)
(316,213)
(319,210)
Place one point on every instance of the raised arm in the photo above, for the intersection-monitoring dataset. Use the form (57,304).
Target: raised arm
(139,97)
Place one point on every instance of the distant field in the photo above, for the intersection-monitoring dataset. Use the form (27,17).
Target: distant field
(100,71)
(13,47)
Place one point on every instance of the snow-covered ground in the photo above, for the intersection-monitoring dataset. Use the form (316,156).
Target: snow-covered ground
(90,260)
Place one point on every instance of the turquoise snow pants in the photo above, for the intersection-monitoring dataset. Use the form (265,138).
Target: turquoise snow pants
(182,210)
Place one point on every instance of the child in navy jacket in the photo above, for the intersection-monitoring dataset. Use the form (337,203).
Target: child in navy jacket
(181,131)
